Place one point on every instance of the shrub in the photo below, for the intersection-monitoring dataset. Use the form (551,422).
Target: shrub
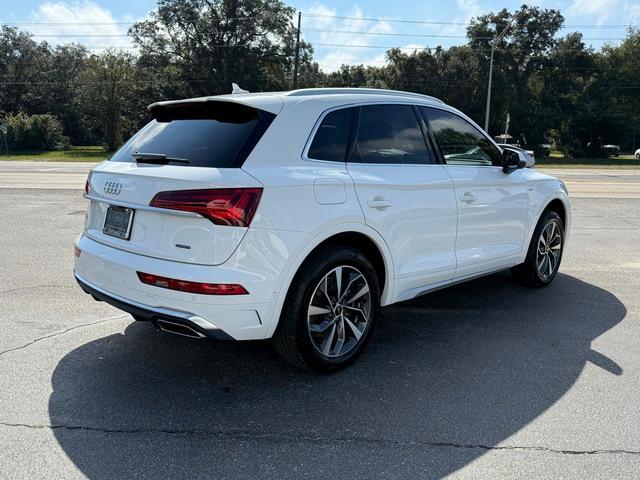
(35,132)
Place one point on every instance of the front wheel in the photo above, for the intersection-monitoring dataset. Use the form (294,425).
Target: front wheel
(545,253)
(330,311)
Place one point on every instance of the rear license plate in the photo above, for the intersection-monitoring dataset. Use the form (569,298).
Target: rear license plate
(117,222)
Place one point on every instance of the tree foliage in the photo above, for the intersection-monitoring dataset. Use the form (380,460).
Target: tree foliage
(211,43)
(556,89)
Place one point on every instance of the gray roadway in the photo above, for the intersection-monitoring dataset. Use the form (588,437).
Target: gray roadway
(483,380)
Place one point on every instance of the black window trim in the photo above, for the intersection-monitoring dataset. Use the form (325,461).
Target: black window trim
(316,127)
(439,148)
(432,147)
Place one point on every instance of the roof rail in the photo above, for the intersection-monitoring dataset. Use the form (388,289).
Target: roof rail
(350,91)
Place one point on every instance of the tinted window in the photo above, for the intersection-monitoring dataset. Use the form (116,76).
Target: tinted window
(461,143)
(390,134)
(332,136)
(220,138)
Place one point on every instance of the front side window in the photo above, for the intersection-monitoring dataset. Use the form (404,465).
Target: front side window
(332,136)
(390,134)
(461,143)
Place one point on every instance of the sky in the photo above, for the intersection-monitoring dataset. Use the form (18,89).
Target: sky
(600,21)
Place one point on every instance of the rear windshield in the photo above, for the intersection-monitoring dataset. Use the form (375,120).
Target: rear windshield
(214,134)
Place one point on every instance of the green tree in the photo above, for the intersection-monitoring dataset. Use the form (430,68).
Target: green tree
(23,71)
(109,96)
(212,43)
(618,87)
(522,52)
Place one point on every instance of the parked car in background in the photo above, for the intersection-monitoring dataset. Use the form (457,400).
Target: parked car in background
(612,150)
(638,154)
(545,149)
(529,153)
(297,215)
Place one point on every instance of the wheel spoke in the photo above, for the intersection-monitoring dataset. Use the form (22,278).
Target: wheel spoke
(338,274)
(543,240)
(324,291)
(328,340)
(346,290)
(356,332)
(320,327)
(313,310)
(549,264)
(542,266)
(360,293)
(341,337)
(355,309)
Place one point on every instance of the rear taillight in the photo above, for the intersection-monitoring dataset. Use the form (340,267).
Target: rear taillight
(86,187)
(223,206)
(192,287)
(76,252)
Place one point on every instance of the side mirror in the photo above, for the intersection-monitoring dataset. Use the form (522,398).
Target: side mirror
(513,160)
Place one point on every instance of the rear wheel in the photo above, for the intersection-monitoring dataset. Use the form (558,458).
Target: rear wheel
(545,253)
(330,311)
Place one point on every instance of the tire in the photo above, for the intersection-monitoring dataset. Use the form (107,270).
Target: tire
(313,323)
(529,273)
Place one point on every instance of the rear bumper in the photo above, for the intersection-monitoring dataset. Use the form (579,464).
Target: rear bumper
(110,275)
(141,312)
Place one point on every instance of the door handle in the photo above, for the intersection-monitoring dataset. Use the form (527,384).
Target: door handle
(379,203)
(468,197)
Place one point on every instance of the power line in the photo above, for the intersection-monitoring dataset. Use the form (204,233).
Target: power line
(71,24)
(316,15)
(389,47)
(424,35)
(430,22)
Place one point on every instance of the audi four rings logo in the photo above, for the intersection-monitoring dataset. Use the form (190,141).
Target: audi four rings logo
(112,188)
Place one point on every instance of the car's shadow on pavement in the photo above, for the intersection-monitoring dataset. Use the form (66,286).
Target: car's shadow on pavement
(446,375)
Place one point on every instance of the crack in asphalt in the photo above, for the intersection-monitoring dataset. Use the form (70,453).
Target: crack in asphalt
(35,286)
(237,434)
(62,332)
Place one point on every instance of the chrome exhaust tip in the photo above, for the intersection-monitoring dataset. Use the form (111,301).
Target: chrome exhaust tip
(178,329)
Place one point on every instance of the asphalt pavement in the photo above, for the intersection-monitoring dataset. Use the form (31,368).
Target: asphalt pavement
(482,380)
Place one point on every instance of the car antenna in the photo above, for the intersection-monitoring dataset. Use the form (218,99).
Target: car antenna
(236,89)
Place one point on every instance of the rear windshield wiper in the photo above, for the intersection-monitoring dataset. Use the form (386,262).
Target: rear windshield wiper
(159,158)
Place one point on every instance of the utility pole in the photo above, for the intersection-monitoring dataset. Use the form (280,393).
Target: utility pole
(5,130)
(296,63)
(506,127)
(494,42)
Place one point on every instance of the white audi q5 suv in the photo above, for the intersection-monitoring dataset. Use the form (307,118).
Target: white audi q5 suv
(297,215)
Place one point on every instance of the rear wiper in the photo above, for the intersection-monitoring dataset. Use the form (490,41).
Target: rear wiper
(159,158)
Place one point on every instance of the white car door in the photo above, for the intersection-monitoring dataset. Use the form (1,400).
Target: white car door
(405,194)
(492,205)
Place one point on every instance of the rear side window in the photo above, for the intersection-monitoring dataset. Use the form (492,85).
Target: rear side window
(331,138)
(214,134)
(390,134)
(461,143)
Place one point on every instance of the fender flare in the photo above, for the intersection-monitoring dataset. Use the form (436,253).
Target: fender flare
(325,234)
(563,197)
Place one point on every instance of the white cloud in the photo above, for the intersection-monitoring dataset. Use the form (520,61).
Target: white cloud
(83,22)
(633,10)
(599,10)
(332,57)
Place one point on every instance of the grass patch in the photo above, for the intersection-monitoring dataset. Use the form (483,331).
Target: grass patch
(557,160)
(93,153)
